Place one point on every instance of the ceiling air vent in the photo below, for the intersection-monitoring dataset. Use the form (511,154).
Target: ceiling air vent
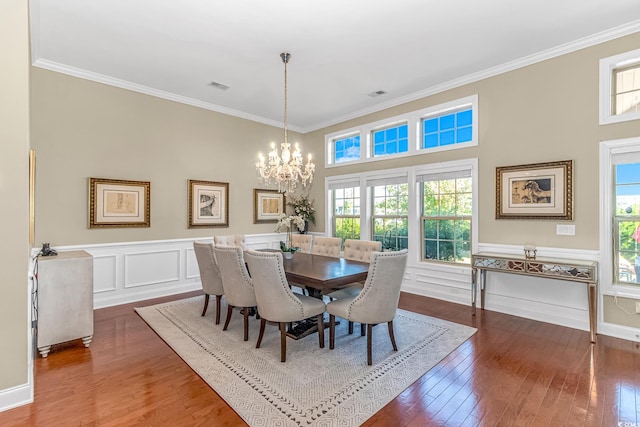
(219,86)
(377,93)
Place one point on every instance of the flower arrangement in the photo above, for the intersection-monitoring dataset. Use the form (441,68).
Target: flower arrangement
(286,223)
(303,207)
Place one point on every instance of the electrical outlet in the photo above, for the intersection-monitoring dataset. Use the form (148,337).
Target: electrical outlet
(637,307)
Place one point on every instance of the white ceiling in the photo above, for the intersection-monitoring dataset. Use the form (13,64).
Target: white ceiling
(341,50)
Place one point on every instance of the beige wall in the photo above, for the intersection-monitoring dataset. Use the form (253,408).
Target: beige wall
(83,129)
(544,112)
(14,191)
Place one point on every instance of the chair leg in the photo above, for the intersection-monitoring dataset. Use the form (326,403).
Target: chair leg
(206,304)
(226,323)
(262,323)
(283,341)
(245,313)
(393,340)
(218,298)
(332,331)
(321,329)
(362,332)
(350,327)
(369,338)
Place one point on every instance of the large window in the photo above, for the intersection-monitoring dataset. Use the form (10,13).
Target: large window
(620,217)
(447,202)
(346,213)
(626,223)
(626,90)
(391,215)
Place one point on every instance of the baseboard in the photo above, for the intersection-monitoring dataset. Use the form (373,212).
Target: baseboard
(16,396)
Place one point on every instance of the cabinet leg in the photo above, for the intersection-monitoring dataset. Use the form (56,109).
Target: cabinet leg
(87,340)
(44,351)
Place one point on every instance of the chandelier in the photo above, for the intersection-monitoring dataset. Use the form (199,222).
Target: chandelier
(285,168)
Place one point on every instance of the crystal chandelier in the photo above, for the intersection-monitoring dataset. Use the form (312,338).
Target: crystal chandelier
(285,168)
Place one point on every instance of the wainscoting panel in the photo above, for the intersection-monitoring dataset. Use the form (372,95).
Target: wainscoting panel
(149,268)
(105,273)
(133,271)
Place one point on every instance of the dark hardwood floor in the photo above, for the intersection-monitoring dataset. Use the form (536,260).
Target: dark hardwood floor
(512,372)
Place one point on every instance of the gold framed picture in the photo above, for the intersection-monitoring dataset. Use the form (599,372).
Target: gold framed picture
(535,191)
(119,203)
(268,205)
(208,204)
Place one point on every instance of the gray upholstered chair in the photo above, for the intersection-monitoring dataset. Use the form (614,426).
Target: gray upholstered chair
(303,242)
(378,300)
(230,240)
(327,246)
(356,250)
(209,275)
(238,287)
(360,250)
(276,301)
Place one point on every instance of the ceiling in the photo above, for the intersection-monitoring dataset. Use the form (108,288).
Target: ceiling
(341,51)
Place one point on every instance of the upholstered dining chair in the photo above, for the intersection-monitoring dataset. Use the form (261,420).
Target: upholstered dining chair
(302,241)
(230,240)
(237,284)
(327,246)
(356,250)
(360,250)
(378,300)
(209,275)
(276,301)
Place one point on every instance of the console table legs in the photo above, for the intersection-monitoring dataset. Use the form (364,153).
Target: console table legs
(593,310)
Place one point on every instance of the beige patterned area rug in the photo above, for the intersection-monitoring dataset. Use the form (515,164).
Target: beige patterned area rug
(314,387)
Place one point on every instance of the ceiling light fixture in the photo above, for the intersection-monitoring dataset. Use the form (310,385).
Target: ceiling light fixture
(285,168)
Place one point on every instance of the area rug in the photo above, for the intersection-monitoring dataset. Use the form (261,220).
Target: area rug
(314,387)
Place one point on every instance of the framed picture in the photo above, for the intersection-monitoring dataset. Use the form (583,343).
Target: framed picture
(119,203)
(268,205)
(208,204)
(535,191)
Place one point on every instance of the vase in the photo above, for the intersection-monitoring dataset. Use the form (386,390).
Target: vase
(306,227)
(287,255)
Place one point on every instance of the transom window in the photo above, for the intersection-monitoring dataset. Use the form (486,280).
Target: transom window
(347,149)
(447,203)
(391,215)
(448,126)
(391,140)
(447,129)
(626,92)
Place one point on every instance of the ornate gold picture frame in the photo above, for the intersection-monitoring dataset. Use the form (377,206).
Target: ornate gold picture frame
(115,203)
(535,191)
(268,205)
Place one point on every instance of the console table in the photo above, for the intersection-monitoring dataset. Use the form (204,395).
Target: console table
(561,269)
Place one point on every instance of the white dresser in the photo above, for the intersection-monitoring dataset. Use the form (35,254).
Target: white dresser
(65,299)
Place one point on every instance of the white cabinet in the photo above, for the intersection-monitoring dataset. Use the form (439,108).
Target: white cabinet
(65,299)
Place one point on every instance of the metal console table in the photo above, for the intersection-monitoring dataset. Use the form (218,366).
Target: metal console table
(561,269)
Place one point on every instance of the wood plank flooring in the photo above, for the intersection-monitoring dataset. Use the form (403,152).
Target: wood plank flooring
(512,372)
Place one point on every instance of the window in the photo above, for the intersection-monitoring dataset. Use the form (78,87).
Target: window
(620,217)
(447,202)
(347,149)
(391,140)
(391,215)
(620,88)
(626,223)
(626,90)
(447,129)
(448,126)
(346,213)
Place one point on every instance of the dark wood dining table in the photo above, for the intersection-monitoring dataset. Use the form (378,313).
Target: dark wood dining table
(321,275)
